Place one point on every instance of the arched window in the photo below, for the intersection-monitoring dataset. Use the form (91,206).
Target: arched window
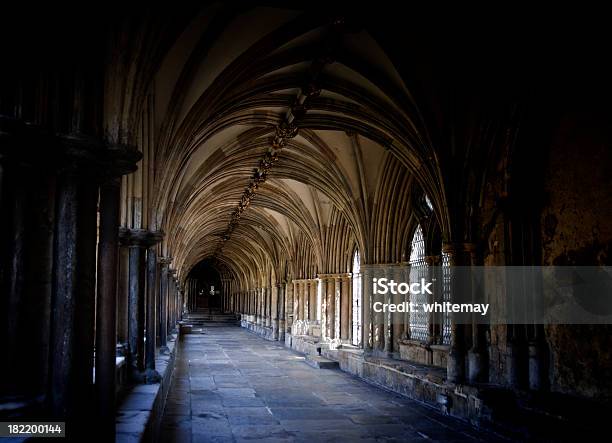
(356,321)
(446,297)
(419,321)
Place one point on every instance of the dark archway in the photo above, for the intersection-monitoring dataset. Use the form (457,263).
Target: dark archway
(208,288)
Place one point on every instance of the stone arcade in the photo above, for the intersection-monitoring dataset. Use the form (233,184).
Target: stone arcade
(194,202)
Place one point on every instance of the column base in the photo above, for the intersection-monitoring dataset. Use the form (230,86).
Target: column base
(164,350)
(455,368)
(151,376)
(147,377)
(476,361)
(537,369)
(137,376)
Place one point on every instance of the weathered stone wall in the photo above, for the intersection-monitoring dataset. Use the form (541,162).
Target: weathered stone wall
(494,254)
(577,230)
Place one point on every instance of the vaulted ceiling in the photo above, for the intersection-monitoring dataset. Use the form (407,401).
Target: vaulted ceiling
(224,90)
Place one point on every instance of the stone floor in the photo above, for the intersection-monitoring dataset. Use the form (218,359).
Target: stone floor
(231,385)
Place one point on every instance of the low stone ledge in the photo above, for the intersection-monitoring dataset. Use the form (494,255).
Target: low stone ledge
(140,412)
(263,331)
(305,344)
(423,353)
(318,362)
(424,383)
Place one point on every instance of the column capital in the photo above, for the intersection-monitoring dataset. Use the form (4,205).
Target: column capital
(139,237)
(325,276)
(377,266)
(124,236)
(76,151)
(122,159)
(456,247)
(154,238)
(28,144)
(83,153)
(433,260)
(164,261)
(460,253)
(346,276)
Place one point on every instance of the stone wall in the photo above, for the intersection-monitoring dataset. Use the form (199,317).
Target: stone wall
(577,230)
(415,351)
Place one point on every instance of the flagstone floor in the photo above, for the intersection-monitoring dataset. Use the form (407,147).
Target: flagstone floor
(231,386)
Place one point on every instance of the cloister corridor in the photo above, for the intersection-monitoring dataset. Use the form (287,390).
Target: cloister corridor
(304,221)
(232,385)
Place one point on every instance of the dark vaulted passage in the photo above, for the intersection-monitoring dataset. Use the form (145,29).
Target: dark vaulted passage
(305,221)
(230,385)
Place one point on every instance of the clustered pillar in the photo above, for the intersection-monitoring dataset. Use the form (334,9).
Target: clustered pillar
(59,262)
(319,307)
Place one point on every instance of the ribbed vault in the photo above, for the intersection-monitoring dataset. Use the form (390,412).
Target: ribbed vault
(344,179)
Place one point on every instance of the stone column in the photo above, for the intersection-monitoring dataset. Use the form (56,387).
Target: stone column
(14,220)
(151,375)
(136,305)
(435,276)
(163,304)
(274,308)
(171,299)
(345,307)
(337,302)
(329,293)
(459,255)
(227,305)
(123,288)
(397,318)
(250,300)
(269,306)
(261,306)
(280,288)
(477,356)
(367,330)
(378,318)
(37,286)
(254,305)
(193,296)
(71,242)
(537,358)
(323,307)
(108,269)
(304,297)
(298,299)
(260,313)
(71,390)
(312,303)
(181,303)
(253,302)
(290,301)
(304,294)
(351,307)
(388,337)
(175,302)
(106,340)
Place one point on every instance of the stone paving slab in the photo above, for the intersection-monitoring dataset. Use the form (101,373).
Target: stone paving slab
(232,386)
